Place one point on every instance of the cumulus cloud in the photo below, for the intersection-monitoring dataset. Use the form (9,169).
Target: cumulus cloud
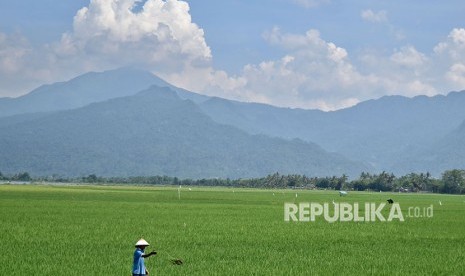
(456,74)
(406,71)
(13,49)
(408,56)
(208,81)
(320,74)
(374,17)
(450,57)
(160,36)
(310,3)
(157,35)
(454,46)
(19,62)
(315,74)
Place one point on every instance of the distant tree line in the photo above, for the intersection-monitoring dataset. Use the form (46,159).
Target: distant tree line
(451,181)
(23,176)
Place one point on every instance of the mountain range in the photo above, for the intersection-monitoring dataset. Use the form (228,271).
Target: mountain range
(128,122)
(382,132)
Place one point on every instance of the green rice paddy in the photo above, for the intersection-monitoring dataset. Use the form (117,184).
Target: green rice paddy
(91,230)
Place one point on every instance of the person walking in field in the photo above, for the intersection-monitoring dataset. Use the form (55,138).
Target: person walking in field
(138,267)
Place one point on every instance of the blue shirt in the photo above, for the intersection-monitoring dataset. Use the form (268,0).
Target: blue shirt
(138,267)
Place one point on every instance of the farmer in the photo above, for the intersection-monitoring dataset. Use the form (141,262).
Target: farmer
(138,267)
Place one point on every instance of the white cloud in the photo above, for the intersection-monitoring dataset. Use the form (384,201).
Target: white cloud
(160,36)
(20,65)
(381,18)
(456,75)
(13,50)
(408,56)
(450,59)
(458,36)
(454,46)
(374,17)
(310,3)
(314,74)
(206,80)
(406,72)
(319,74)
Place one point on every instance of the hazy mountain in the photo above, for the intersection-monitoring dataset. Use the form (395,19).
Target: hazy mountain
(85,89)
(154,133)
(393,133)
(378,131)
(394,127)
(445,154)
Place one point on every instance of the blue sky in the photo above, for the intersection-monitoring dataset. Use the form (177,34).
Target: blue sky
(324,54)
(236,27)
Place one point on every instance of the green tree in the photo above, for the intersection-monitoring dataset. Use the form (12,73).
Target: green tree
(361,184)
(24,176)
(91,178)
(436,185)
(454,181)
(415,182)
(323,183)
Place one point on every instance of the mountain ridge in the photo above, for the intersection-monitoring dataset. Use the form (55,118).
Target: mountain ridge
(380,132)
(86,89)
(154,132)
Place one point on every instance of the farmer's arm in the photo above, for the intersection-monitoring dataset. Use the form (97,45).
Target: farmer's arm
(149,254)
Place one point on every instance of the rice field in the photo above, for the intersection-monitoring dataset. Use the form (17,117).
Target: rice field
(91,230)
